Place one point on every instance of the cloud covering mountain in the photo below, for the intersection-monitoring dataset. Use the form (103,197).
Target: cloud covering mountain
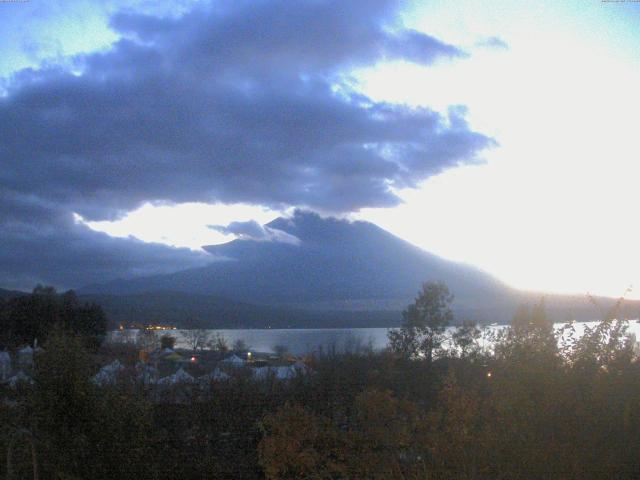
(231,101)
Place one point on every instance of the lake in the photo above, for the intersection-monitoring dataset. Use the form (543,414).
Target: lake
(301,341)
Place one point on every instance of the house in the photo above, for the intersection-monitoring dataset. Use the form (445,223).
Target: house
(25,356)
(216,375)
(5,364)
(301,367)
(147,374)
(281,372)
(19,378)
(177,378)
(108,375)
(234,361)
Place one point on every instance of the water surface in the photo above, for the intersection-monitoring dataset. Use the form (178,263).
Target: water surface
(301,341)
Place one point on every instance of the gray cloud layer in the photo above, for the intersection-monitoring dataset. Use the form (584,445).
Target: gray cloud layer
(231,102)
(40,243)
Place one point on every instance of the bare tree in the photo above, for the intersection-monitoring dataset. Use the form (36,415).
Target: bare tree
(219,344)
(280,350)
(197,338)
(240,346)
(147,339)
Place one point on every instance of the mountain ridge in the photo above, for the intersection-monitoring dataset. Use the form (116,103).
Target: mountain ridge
(338,265)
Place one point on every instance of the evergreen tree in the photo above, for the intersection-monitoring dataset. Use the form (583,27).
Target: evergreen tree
(425,321)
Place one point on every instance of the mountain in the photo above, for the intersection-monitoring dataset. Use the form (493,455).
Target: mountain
(209,311)
(337,265)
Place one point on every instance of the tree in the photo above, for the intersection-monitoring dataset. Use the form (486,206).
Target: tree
(167,341)
(197,338)
(382,438)
(300,444)
(147,339)
(422,332)
(240,346)
(530,337)
(194,335)
(219,344)
(62,405)
(452,431)
(29,317)
(280,350)
(465,338)
(532,318)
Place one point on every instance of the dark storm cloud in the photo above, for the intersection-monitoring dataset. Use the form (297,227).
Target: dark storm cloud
(252,230)
(238,101)
(42,244)
(233,102)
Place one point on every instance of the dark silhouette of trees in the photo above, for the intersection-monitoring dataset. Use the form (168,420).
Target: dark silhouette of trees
(30,317)
(425,320)
(197,339)
(219,344)
(167,341)
(530,338)
(465,338)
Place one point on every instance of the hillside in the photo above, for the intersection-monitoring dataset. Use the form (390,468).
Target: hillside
(338,266)
(207,311)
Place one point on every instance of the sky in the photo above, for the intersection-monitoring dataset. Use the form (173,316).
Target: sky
(503,137)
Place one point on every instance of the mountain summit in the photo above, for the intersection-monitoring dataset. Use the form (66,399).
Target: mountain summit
(334,263)
(314,263)
(337,262)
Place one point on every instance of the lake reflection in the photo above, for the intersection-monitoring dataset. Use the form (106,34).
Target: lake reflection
(301,341)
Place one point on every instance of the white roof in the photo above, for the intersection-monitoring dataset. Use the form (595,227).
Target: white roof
(261,373)
(217,374)
(281,373)
(179,377)
(146,373)
(27,350)
(234,360)
(114,366)
(300,365)
(19,377)
(108,374)
(145,367)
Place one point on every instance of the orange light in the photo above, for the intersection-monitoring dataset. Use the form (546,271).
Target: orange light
(488,374)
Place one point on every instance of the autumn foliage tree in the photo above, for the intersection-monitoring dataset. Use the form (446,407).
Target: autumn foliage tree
(299,444)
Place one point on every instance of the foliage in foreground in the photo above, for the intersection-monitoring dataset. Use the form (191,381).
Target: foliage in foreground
(533,406)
